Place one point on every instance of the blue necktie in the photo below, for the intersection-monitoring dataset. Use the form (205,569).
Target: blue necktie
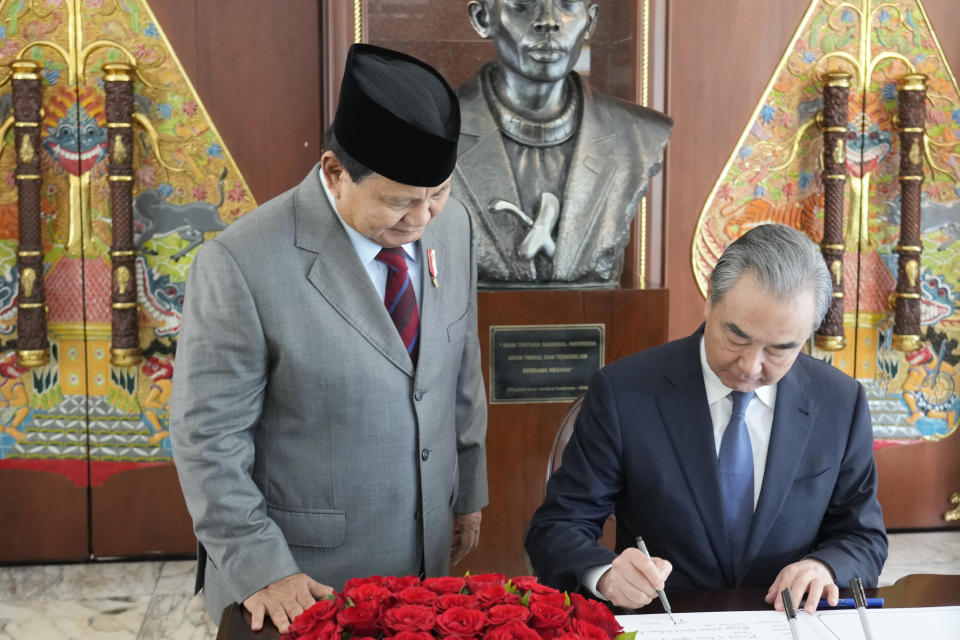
(736,477)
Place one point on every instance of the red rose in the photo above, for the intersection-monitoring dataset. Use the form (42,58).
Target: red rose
(511,631)
(546,617)
(368,591)
(588,631)
(416,595)
(362,619)
(399,584)
(411,635)
(530,583)
(489,595)
(448,600)
(512,598)
(356,582)
(555,599)
(326,630)
(596,613)
(409,617)
(503,613)
(447,584)
(319,611)
(479,580)
(460,621)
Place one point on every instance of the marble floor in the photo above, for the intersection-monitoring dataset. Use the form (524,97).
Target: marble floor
(153,600)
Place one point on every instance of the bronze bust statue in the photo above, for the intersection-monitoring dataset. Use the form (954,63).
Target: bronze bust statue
(551,170)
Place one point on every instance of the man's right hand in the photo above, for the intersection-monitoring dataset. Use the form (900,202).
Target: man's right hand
(284,600)
(633,579)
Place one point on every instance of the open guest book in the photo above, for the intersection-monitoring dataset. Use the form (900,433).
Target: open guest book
(929,623)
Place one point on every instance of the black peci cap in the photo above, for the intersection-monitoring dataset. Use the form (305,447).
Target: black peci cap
(397,116)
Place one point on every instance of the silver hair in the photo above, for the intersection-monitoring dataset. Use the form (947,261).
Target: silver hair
(785,262)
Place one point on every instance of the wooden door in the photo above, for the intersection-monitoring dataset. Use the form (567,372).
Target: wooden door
(85,461)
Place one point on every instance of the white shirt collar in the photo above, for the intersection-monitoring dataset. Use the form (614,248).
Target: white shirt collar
(716,390)
(366,248)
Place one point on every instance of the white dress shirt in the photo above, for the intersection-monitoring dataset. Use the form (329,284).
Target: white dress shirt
(367,251)
(759,419)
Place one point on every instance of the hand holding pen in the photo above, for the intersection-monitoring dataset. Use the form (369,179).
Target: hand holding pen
(660,593)
(633,579)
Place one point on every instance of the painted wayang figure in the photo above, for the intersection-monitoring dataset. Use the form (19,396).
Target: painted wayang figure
(930,388)
(15,405)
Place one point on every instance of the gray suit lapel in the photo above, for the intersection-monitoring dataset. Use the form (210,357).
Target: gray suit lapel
(338,275)
(592,176)
(686,417)
(793,420)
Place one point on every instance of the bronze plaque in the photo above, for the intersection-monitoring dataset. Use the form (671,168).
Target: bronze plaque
(543,363)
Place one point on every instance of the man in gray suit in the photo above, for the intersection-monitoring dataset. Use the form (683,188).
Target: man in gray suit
(328,414)
(551,170)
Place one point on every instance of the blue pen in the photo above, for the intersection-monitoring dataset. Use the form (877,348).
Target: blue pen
(848,603)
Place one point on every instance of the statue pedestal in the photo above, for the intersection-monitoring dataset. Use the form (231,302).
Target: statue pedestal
(547,338)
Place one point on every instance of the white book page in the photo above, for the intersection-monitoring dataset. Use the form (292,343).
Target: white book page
(928,623)
(719,625)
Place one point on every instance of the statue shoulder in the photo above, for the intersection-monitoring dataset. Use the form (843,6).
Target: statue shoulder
(655,125)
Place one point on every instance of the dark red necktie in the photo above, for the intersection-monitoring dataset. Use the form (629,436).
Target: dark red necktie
(400,299)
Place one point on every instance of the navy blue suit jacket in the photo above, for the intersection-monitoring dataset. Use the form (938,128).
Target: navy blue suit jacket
(643,446)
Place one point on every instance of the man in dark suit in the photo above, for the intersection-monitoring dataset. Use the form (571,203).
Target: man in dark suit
(741,461)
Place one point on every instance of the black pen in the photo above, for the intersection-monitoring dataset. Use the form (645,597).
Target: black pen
(791,613)
(860,598)
(660,593)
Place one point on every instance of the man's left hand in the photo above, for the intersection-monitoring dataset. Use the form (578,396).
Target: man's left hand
(466,535)
(808,576)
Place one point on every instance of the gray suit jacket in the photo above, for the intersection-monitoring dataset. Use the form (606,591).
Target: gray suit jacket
(619,145)
(304,437)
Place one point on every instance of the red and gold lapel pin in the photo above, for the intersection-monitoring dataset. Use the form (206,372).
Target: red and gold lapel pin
(432,262)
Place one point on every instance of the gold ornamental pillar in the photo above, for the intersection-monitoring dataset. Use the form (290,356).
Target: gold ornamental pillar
(33,349)
(125,340)
(836,95)
(911,111)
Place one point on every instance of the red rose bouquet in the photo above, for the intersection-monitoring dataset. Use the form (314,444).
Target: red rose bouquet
(475,607)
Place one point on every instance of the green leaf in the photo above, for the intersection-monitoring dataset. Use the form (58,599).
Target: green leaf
(626,635)
(566,599)
(510,587)
(525,600)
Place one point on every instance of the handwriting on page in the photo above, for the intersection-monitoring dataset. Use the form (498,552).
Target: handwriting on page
(722,625)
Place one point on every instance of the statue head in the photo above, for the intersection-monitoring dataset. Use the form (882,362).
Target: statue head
(539,40)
